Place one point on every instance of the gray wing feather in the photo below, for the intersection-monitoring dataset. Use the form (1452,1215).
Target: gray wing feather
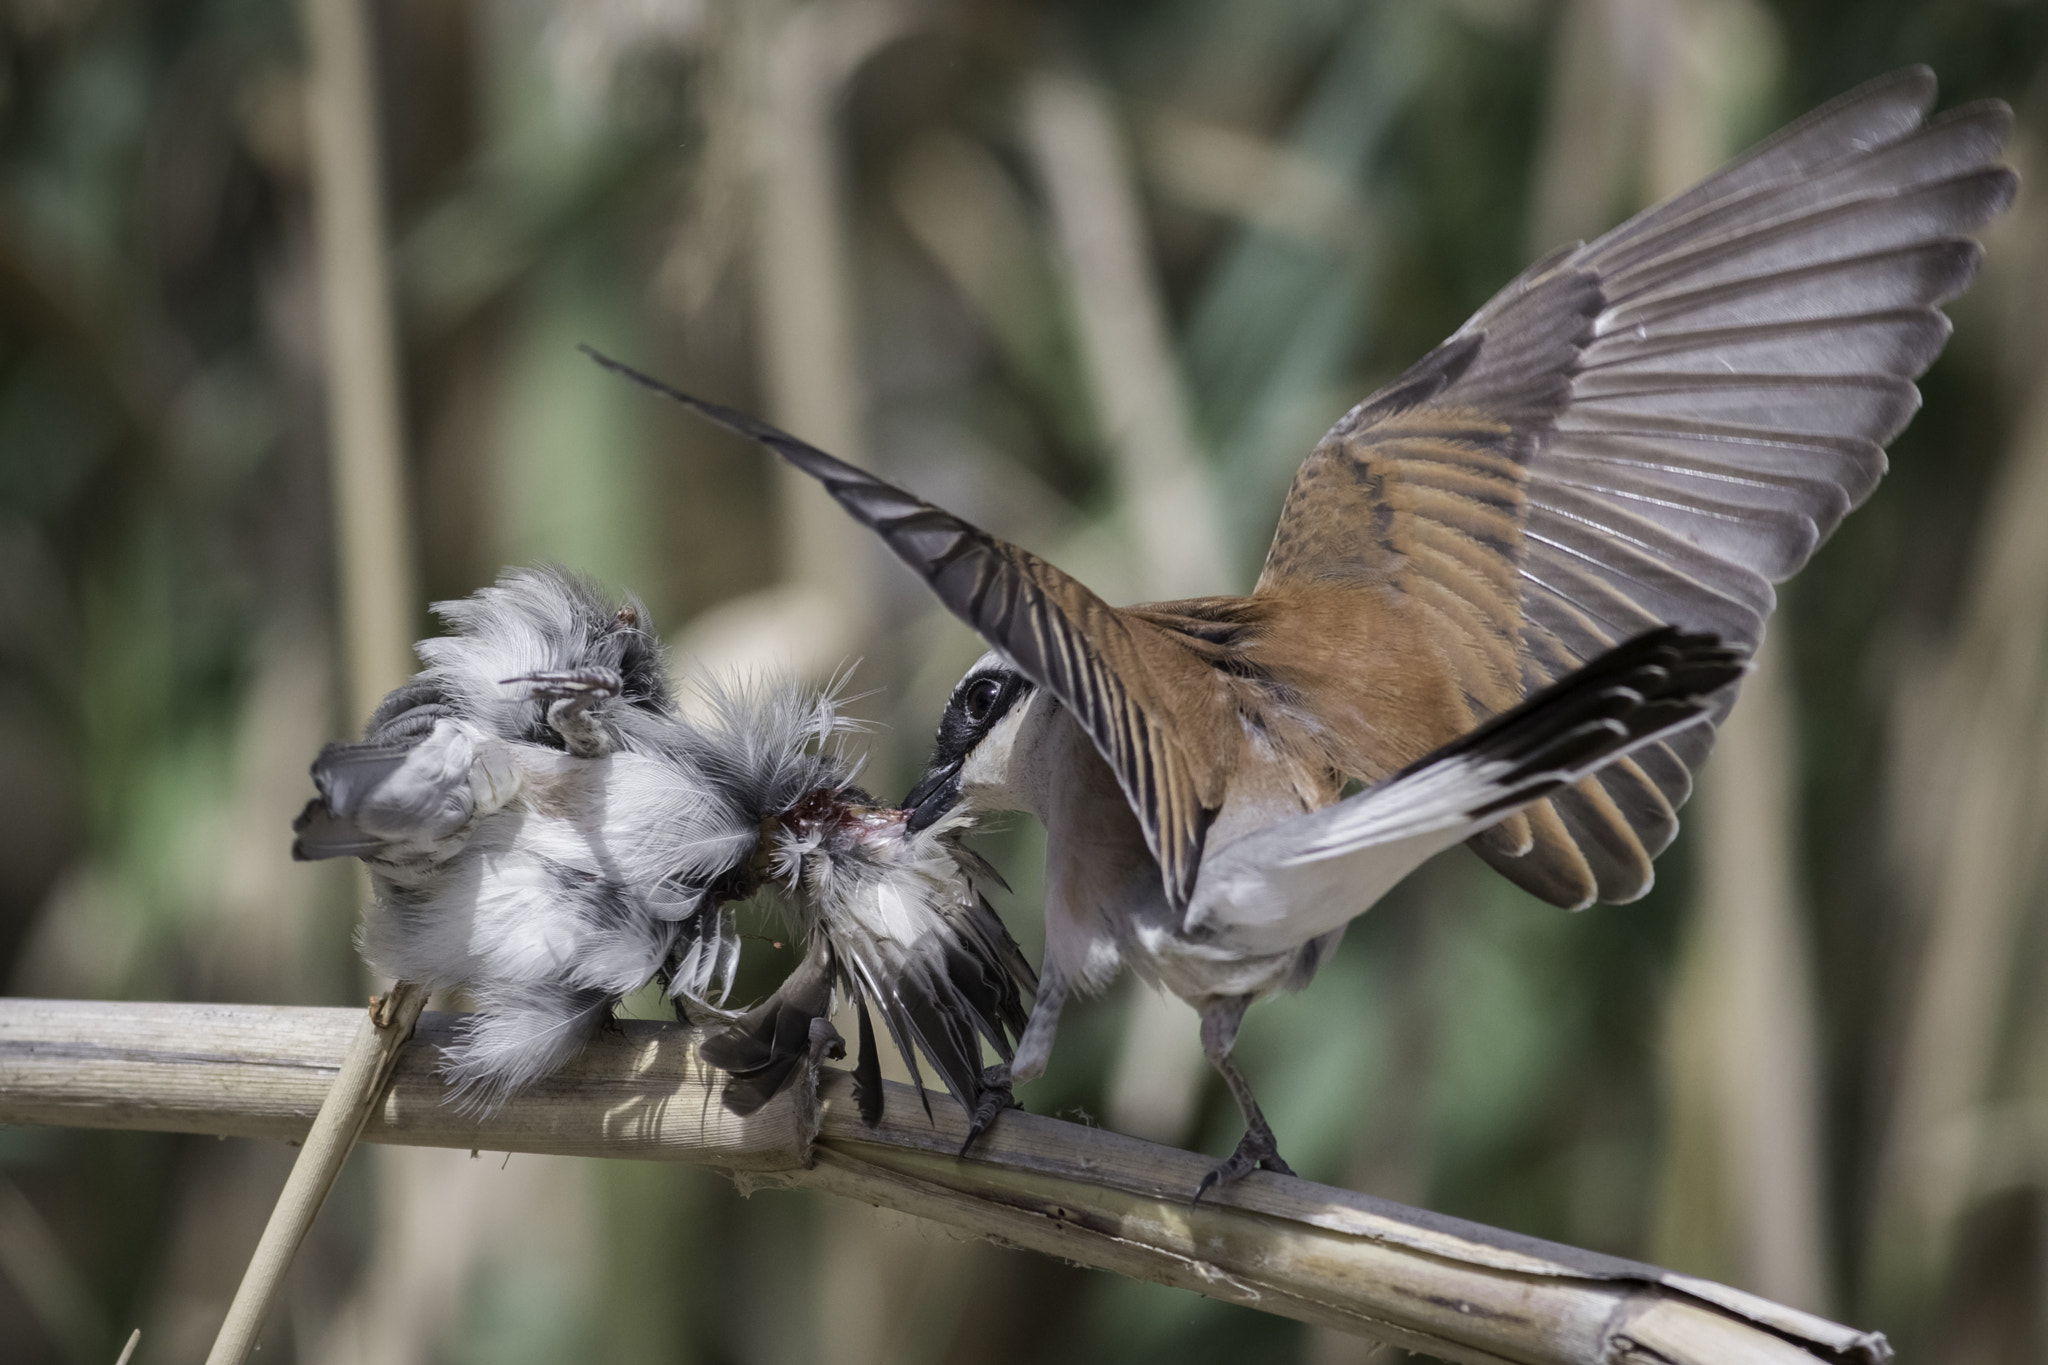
(396,800)
(1754,349)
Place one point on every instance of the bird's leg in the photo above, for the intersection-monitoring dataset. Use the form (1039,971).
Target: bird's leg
(570,693)
(1257,1148)
(1027,1063)
(825,1041)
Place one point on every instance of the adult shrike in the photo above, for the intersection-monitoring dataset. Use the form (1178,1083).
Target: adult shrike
(1643,431)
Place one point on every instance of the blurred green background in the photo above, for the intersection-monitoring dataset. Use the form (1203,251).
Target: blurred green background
(1026,258)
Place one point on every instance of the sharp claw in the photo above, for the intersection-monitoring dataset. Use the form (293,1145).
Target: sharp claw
(826,1042)
(597,684)
(985,1116)
(1255,1151)
(995,1098)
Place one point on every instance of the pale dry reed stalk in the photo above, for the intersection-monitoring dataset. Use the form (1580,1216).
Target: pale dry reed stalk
(1281,1245)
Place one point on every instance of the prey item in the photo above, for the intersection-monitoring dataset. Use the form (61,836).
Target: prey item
(545,829)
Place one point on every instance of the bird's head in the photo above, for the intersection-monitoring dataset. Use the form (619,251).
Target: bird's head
(971,760)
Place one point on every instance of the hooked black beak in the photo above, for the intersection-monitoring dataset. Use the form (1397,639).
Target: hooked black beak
(931,798)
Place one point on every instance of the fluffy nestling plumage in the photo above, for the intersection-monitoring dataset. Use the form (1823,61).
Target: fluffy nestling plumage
(546,829)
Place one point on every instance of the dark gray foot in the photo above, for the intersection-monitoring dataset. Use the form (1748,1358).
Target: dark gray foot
(826,1042)
(595,683)
(570,693)
(1256,1150)
(994,1099)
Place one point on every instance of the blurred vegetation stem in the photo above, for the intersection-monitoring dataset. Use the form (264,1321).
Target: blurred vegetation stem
(1742,1181)
(375,572)
(1973,821)
(800,67)
(1133,376)
(372,534)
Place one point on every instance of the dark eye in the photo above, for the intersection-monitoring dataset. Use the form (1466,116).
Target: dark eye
(981,699)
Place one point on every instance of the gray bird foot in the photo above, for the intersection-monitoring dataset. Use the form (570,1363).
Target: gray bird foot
(570,693)
(826,1044)
(1256,1150)
(995,1097)
(592,684)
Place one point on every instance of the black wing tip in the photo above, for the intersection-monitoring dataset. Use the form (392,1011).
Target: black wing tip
(1650,687)
(319,834)
(730,418)
(1645,676)
(867,1067)
(943,1010)
(1677,665)
(897,515)
(640,377)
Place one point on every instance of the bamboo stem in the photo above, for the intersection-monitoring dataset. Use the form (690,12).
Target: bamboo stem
(373,542)
(374,549)
(1304,1251)
(365,1071)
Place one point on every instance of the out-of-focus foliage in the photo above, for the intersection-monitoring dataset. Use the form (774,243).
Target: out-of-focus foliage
(1327,187)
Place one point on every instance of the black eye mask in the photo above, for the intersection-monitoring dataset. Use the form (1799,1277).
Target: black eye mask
(978,706)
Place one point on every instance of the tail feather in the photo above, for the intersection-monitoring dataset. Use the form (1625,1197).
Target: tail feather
(1274,889)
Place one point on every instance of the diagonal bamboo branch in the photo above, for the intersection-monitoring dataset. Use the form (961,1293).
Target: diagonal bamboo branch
(1305,1251)
(365,1068)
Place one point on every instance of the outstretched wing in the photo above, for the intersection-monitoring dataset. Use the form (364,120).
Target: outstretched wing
(1292,881)
(1654,428)
(1125,679)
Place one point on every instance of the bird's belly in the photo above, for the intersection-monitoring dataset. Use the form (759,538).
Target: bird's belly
(1200,973)
(1099,890)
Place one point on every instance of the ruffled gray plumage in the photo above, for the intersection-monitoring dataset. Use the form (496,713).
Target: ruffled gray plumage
(545,829)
